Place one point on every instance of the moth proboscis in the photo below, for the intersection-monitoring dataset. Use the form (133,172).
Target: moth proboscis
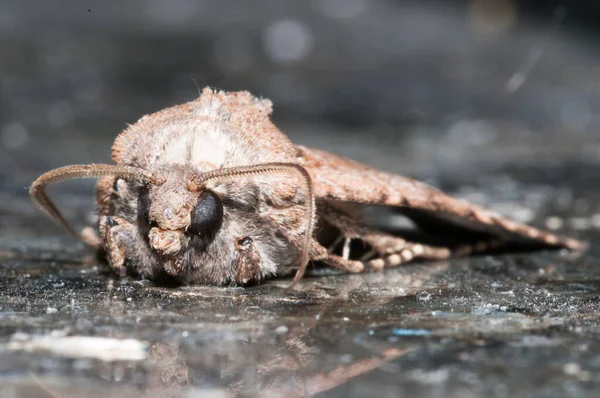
(211,192)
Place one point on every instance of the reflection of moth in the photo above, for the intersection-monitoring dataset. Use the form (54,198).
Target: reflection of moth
(260,367)
(212,192)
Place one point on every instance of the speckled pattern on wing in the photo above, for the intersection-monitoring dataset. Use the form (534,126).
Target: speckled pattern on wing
(337,178)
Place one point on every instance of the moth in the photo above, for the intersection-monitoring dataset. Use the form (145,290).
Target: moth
(211,192)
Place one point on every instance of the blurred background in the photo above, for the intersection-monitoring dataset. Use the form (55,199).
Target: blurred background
(495,101)
(459,93)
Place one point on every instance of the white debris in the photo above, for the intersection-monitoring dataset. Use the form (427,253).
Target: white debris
(105,349)
(281,329)
(432,377)
(424,296)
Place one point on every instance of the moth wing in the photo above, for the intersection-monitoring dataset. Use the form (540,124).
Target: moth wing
(338,179)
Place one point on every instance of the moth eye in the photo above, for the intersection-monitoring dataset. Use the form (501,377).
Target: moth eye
(207,216)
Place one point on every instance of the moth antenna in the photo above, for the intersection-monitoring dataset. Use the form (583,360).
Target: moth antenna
(196,183)
(38,188)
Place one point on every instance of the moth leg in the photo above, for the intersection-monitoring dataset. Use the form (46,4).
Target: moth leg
(381,244)
(248,262)
(322,254)
(113,229)
(90,237)
(351,266)
(389,250)
(335,243)
(395,251)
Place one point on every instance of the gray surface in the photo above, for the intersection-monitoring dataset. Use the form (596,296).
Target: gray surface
(420,90)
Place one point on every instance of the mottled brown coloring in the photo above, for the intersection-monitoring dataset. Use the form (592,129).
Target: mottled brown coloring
(271,193)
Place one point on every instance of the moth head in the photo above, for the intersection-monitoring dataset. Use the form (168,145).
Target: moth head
(179,210)
(178,215)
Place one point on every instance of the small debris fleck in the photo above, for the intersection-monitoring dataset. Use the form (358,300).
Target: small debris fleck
(424,296)
(281,329)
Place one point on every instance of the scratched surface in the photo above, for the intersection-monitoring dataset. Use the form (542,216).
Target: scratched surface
(503,113)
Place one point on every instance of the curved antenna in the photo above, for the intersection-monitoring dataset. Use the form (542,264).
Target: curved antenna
(196,183)
(38,188)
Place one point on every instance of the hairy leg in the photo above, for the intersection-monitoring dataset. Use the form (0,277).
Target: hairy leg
(112,229)
(385,250)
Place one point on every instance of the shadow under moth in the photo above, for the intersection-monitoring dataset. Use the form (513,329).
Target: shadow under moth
(211,192)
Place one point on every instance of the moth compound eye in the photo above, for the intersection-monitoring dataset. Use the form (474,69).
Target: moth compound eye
(207,216)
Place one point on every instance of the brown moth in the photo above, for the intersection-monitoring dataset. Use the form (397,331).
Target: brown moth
(211,192)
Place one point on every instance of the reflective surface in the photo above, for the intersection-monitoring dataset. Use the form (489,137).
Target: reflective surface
(495,325)
(450,102)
